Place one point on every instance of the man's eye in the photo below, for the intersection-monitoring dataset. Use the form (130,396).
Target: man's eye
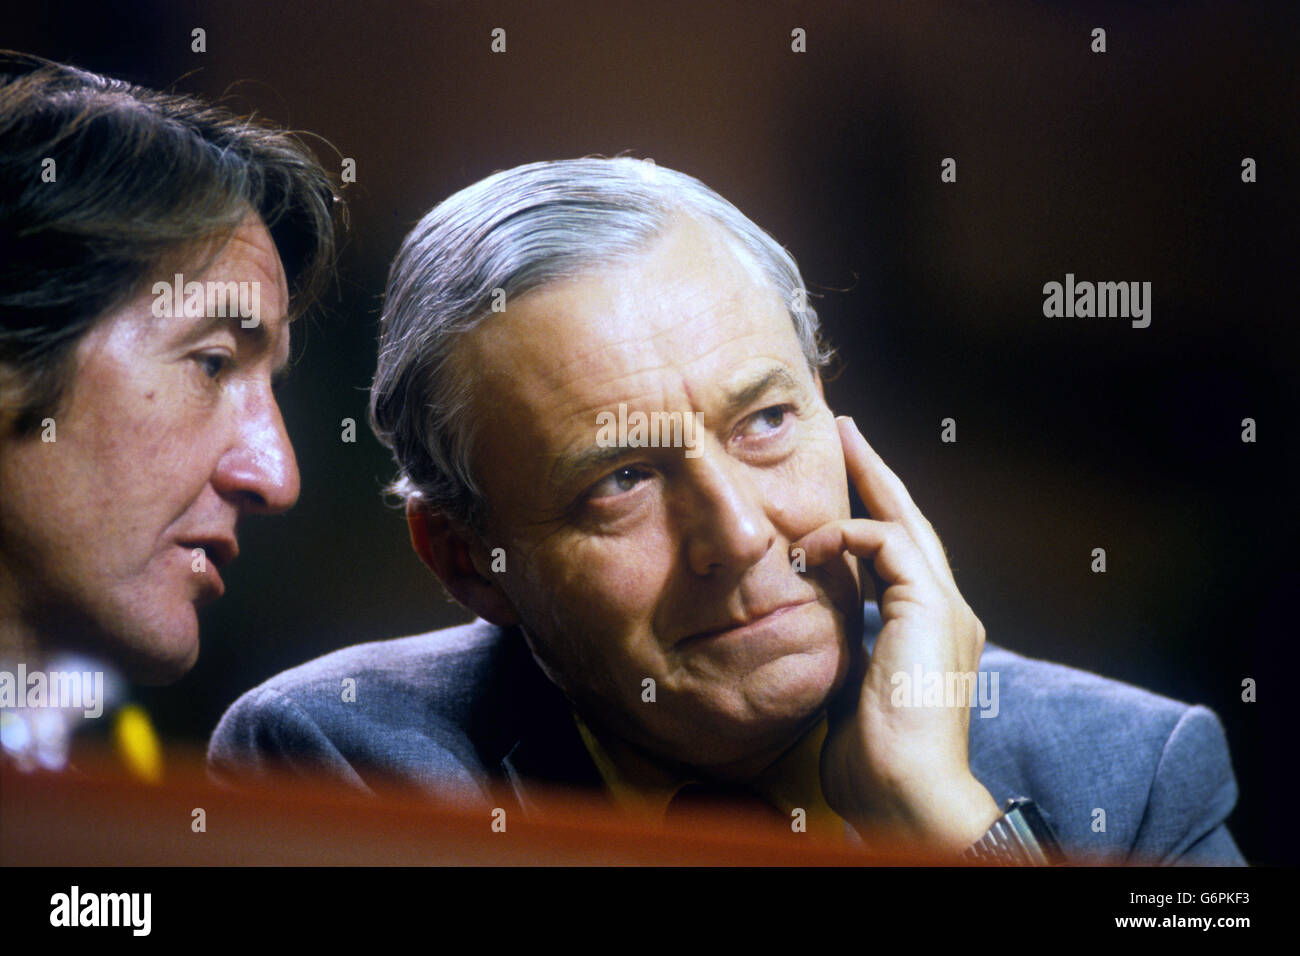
(766,421)
(212,363)
(618,482)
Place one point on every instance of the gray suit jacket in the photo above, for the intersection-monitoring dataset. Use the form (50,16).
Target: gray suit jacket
(465,714)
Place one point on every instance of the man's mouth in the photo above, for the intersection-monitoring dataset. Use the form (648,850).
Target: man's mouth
(745,626)
(217,552)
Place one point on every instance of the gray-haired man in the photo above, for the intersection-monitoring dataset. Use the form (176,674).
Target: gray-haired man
(661,610)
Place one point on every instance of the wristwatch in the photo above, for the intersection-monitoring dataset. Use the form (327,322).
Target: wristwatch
(1020,837)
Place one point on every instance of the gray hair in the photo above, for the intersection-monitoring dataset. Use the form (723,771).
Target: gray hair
(511,233)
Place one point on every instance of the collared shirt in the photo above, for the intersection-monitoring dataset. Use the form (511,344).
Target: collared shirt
(639,784)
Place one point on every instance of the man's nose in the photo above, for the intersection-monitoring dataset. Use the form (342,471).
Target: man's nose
(727,527)
(259,472)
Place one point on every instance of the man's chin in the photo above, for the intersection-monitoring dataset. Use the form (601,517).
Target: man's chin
(789,689)
(156,671)
(160,652)
(768,710)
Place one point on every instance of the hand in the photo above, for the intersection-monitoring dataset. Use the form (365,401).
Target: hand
(904,768)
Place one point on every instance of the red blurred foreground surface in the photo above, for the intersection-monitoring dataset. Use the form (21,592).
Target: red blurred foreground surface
(98,817)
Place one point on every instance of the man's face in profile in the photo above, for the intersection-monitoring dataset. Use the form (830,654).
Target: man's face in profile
(169,432)
(633,563)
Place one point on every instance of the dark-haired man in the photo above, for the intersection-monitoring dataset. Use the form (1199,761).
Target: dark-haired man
(137,427)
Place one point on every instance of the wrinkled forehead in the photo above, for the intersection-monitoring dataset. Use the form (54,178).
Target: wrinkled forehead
(661,328)
(249,254)
(234,282)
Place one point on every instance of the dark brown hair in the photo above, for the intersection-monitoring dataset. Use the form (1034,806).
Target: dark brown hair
(140,177)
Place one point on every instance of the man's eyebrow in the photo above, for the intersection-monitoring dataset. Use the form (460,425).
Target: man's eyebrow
(206,324)
(775,378)
(596,457)
(255,335)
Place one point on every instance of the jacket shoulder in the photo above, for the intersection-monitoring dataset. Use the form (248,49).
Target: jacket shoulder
(1122,773)
(397,712)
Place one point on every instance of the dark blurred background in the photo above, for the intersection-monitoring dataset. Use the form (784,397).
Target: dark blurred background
(1072,433)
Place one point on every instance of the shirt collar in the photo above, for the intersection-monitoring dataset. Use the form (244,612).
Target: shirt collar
(638,783)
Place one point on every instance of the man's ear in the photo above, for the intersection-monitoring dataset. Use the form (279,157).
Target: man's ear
(448,548)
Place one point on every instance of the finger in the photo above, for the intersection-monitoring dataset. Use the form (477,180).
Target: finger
(889,547)
(886,497)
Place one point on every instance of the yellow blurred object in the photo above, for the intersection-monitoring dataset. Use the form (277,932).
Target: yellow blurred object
(137,743)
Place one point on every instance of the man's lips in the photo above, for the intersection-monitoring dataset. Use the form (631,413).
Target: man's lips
(740,626)
(217,553)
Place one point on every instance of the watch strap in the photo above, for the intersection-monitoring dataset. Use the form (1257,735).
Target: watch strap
(1020,837)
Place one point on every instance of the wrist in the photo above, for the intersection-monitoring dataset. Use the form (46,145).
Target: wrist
(949,817)
(965,816)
